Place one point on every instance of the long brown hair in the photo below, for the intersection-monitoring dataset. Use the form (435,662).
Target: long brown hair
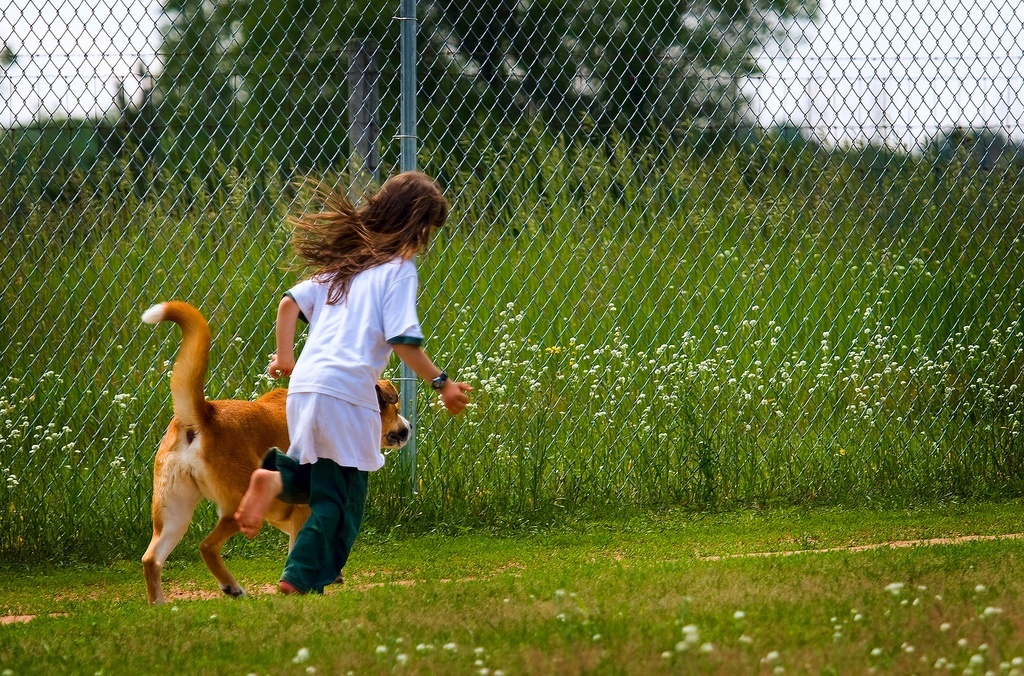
(342,240)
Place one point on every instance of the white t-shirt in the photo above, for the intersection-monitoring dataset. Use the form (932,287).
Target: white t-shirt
(347,348)
(321,426)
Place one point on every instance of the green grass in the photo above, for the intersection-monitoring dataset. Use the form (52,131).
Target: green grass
(758,327)
(626,595)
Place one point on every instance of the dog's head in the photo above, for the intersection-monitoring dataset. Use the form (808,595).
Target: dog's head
(394,428)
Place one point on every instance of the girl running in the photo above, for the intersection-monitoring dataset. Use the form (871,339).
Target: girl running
(360,305)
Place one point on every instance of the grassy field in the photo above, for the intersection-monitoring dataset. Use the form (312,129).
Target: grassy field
(763,326)
(653,593)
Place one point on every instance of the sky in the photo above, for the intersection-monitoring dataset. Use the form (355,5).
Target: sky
(882,71)
(896,72)
(72,53)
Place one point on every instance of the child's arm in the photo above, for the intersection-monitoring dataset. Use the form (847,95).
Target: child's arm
(453,394)
(283,361)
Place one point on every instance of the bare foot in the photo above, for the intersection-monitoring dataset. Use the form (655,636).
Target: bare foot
(264,486)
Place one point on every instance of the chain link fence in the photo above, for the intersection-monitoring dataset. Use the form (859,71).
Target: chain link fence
(701,255)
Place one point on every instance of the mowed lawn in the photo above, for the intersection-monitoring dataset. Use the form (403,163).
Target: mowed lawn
(656,593)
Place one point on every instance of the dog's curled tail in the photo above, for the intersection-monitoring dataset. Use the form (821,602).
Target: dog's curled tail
(189,372)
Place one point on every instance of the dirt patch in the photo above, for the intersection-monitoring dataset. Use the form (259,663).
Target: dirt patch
(357,583)
(94,595)
(172,593)
(15,619)
(896,544)
(12,619)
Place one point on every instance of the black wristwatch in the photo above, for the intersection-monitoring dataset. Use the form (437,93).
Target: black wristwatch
(439,382)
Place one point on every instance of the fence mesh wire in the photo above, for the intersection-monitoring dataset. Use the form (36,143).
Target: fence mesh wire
(700,254)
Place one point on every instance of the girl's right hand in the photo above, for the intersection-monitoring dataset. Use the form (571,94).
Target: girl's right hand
(281,366)
(454,396)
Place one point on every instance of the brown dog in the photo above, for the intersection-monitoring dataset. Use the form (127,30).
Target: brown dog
(211,449)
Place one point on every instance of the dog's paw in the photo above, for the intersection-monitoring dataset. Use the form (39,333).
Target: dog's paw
(233,592)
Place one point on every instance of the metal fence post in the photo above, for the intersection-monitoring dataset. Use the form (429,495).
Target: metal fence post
(363,115)
(407,18)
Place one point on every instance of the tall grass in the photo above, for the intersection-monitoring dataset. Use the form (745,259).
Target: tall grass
(760,326)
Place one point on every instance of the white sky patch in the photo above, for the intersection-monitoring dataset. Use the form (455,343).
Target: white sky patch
(888,71)
(72,55)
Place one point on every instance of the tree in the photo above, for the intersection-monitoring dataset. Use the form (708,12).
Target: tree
(199,88)
(267,76)
(135,129)
(632,65)
(7,56)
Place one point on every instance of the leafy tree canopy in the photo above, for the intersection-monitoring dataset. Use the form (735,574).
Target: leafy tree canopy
(268,77)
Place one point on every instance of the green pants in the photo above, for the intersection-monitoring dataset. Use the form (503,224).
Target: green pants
(336,497)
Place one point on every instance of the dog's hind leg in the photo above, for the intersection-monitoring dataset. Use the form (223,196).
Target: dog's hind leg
(173,505)
(292,524)
(210,548)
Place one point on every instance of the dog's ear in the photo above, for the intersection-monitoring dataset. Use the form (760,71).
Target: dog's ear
(386,393)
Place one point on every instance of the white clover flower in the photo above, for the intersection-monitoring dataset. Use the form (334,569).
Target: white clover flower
(450,647)
(739,615)
(980,589)
(301,656)
(991,610)
(381,649)
(895,588)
